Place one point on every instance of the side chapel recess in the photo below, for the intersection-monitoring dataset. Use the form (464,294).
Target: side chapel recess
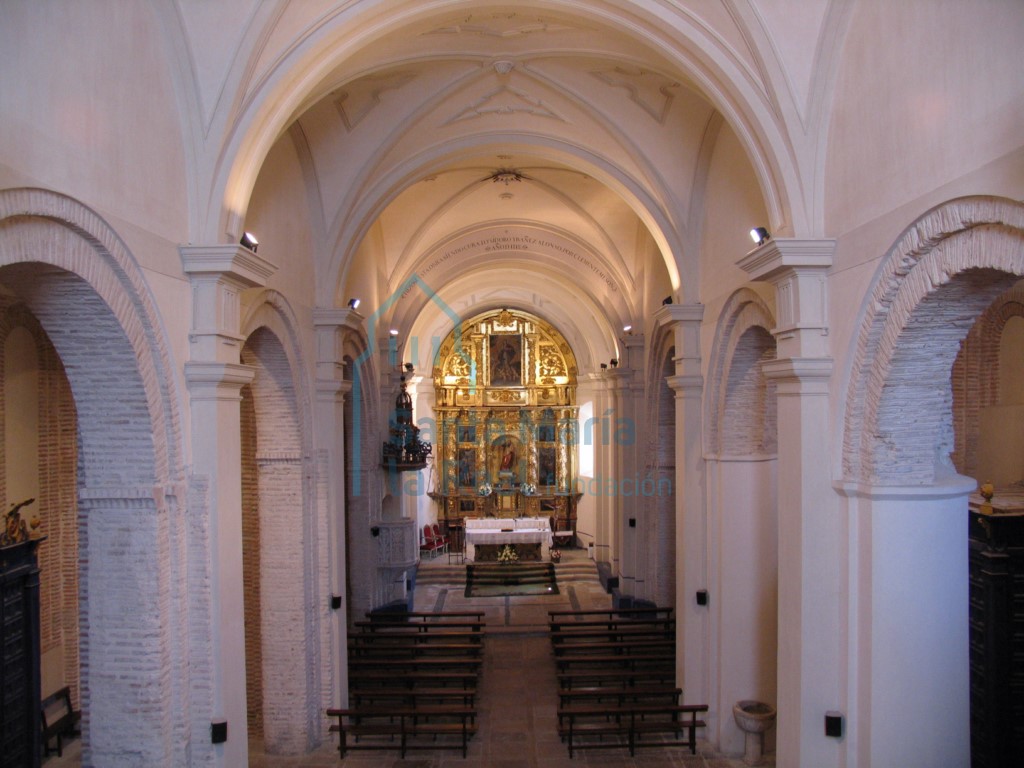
(505,401)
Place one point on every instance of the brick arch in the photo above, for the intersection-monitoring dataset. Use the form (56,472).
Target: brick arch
(940,275)
(280,560)
(975,376)
(85,288)
(46,227)
(740,408)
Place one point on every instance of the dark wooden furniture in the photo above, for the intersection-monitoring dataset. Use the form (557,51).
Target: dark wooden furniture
(412,683)
(20,728)
(630,722)
(403,728)
(996,631)
(60,720)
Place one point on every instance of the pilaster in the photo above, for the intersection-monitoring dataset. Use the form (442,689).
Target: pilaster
(692,652)
(331,390)
(809,655)
(215,377)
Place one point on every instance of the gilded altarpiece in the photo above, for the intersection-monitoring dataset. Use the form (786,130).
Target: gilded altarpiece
(505,401)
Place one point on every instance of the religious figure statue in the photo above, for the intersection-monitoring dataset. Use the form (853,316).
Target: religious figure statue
(508,458)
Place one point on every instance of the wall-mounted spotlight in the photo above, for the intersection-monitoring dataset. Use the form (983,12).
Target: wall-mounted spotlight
(249,241)
(604,366)
(614,362)
(353,303)
(759,235)
(393,331)
(667,300)
(409,367)
(627,328)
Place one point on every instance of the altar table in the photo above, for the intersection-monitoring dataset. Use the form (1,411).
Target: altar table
(530,536)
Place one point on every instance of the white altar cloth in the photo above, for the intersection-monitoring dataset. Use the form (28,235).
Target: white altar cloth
(524,530)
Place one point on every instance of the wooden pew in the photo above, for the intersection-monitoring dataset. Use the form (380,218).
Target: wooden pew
(419,626)
(622,647)
(659,630)
(663,674)
(385,678)
(630,662)
(630,722)
(411,695)
(403,727)
(656,693)
(412,650)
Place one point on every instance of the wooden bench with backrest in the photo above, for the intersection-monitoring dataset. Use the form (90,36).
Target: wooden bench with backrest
(403,727)
(59,720)
(413,679)
(623,661)
(610,625)
(418,626)
(405,634)
(619,695)
(412,650)
(663,674)
(411,695)
(445,664)
(610,614)
(423,616)
(659,630)
(630,722)
(622,647)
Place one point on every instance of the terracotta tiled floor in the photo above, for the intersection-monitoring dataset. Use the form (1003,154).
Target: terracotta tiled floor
(517,702)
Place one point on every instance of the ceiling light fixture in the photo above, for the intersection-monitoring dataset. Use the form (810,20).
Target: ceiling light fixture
(506,176)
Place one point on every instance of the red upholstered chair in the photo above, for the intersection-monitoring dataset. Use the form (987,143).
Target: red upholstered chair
(444,541)
(430,545)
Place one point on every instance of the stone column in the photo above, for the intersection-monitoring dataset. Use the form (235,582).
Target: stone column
(691,524)
(331,391)
(214,376)
(809,659)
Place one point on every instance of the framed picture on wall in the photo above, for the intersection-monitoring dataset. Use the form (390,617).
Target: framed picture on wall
(547,470)
(467,468)
(506,357)
(467,434)
(546,433)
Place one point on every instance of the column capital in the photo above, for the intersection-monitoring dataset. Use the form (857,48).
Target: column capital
(667,314)
(686,385)
(329,324)
(219,274)
(799,375)
(799,270)
(217,381)
(232,262)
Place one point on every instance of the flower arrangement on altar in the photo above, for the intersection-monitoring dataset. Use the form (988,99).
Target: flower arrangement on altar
(528,489)
(485,489)
(507,554)
(556,555)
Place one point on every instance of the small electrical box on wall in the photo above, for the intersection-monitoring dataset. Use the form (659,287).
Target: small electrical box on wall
(834,724)
(219,731)
(702,597)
